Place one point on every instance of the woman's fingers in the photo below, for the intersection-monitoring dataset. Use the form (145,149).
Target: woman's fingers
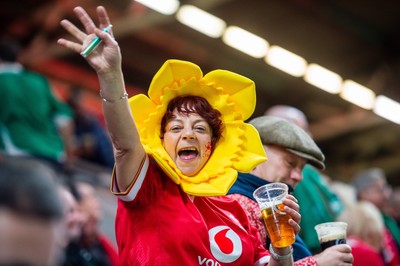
(103,18)
(100,48)
(90,28)
(73,30)
(85,19)
(70,45)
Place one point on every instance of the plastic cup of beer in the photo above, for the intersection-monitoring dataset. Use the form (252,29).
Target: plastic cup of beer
(330,234)
(269,197)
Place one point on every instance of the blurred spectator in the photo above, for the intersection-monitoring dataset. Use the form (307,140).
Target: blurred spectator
(393,206)
(365,232)
(371,185)
(92,247)
(92,140)
(289,113)
(72,219)
(32,121)
(318,204)
(345,192)
(30,213)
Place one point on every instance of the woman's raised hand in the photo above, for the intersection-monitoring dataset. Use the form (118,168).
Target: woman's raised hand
(106,57)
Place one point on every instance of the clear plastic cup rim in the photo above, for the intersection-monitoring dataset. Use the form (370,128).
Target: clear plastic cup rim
(331,224)
(275,185)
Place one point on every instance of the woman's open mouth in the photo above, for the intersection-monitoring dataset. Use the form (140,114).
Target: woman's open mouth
(188,153)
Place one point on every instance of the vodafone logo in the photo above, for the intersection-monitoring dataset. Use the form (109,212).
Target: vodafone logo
(225,244)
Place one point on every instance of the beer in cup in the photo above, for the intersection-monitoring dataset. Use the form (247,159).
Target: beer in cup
(330,234)
(269,197)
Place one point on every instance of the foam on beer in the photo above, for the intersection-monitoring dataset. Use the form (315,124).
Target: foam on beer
(269,204)
(332,236)
(332,233)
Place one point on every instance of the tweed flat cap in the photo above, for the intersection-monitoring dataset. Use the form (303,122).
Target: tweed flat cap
(277,131)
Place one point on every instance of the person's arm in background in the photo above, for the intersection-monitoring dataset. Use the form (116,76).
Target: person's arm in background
(63,118)
(66,129)
(335,255)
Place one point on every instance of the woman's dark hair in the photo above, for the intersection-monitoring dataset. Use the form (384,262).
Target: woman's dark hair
(195,104)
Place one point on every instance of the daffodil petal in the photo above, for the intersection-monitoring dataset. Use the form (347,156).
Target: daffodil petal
(240,89)
(172,71)
(219,186)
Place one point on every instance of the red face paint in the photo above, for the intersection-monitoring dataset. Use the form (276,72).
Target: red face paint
(208,149)
(209,146)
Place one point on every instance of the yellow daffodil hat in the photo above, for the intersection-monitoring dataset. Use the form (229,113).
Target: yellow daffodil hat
(239,148)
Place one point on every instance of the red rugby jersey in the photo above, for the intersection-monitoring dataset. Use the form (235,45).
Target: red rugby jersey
(157,224)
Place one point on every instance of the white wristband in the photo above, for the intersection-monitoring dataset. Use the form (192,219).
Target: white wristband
(280,257)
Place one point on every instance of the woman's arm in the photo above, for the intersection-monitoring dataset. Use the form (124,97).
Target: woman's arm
(106,61)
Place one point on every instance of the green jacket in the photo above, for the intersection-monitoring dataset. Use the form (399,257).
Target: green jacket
(392,226)
(28,116)
(318,204)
